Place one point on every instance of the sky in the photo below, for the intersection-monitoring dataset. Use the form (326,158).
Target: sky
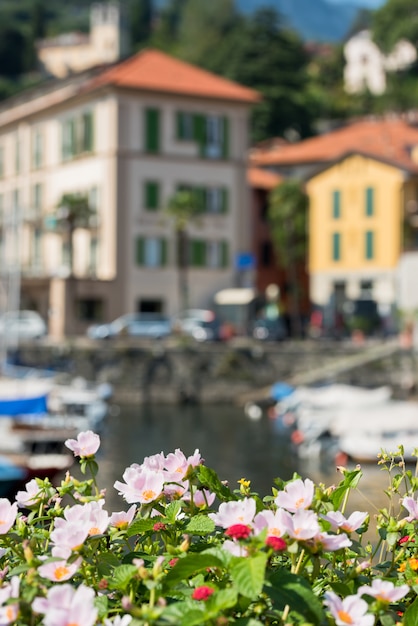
(371,4)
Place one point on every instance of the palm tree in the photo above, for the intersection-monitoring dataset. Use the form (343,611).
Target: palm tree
(287,214)
(184,206)
(74,211)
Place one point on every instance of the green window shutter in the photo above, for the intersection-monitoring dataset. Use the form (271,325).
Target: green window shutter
(87,122)
(369,201)
(152,130)
(152,196)
(199,132)
(336,204)
(198,253)
(179,125)
(224,254)
(201,199)
(139,251)
(336,246)
(163,243)
(225,137)
(225,200)
(369,245)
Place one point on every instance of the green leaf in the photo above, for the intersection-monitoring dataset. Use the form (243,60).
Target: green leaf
(122,576)
(101,604)
(350,481)
(172,511)
(248,574)
(222,599)
(289,589)
(247,621)
(140,526)
(200,525)
(411,614)
(191,565)
(185,614)
(209,479)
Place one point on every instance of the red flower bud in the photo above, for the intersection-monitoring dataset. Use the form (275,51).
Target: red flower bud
(238,531)
(277,543)
(202,593)
(159,526)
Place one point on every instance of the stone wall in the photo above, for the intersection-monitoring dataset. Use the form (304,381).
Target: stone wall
(178,371)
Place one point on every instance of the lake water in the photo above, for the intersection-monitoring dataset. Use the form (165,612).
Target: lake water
(232,444)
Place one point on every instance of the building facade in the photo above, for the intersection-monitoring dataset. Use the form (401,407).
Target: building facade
(127,138)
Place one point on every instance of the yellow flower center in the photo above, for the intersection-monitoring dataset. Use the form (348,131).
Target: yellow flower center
(61,571)
(149,494)
(274,532)
(299,502)
(94,531)
(10,613)
(345,617)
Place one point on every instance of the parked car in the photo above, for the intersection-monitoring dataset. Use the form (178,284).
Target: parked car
(153,325)
(269,329)
(22,325)
(201,324)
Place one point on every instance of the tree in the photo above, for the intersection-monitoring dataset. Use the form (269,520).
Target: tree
(140,21)
(73,211)
(395,20)
(287,214)
(184,206)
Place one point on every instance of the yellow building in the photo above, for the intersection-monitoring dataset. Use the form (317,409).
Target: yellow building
(362,183)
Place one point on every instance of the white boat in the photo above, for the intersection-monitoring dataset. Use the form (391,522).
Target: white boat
(365,446)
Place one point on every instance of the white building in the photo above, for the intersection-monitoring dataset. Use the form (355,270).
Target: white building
(128,136)
(366,66)
(107,42)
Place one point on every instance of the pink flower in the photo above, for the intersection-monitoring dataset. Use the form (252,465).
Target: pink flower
(69,535)
(119,620)
(332,542)
(302,525)
(65,606)
(411,506)
(296,495)
(201,498)
(122,519)
(384,590)
(31,496)
(154,463)
(353,522)
(58,571)
(176,465)
(10,611)
(235,548)
(273,521)
(235,512)
(8,513)
(86,444)
(202,593)
(141,485)
(238,531)
(352,610)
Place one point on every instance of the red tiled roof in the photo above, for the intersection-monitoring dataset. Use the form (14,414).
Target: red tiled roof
(387,139)
(153,70)
(262,179)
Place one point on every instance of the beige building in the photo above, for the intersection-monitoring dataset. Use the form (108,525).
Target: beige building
(127,137)
(74,52)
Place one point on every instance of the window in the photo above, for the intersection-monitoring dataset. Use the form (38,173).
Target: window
(212,134)
(152,130)
(36,201)
(151,251)
(90,310)
(215,200)
(65,255)
(77,135)
(37,149)
(16,200)
(369,245)
(151,195)
(18,156)
(1,162)
(150,306)
(369,201)
(36,248)
(211,254)
(94,254)
(266,254)
(336,246)
(336,204)
(184,126)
